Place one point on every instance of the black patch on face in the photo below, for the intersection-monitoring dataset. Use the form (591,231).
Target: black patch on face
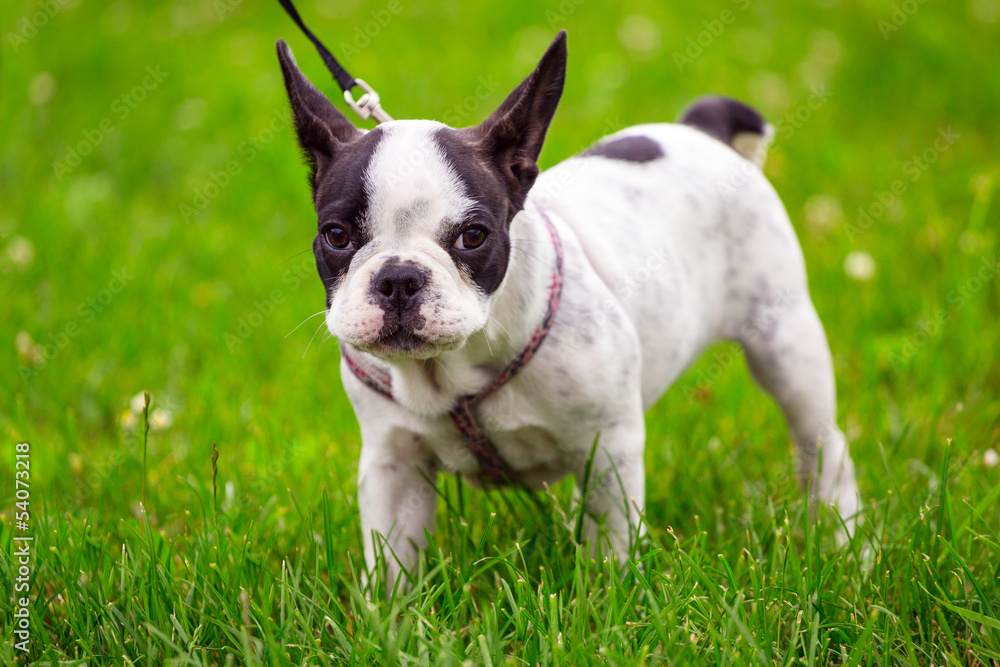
(340,199)
(723,118)
(494,209)
(629,149)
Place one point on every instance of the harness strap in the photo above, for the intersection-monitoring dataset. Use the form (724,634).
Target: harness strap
(476,438)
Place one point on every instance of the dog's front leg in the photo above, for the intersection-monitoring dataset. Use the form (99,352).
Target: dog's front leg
(396,498)
(613,490)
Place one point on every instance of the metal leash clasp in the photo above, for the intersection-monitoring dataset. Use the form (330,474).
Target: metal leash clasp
(367,105)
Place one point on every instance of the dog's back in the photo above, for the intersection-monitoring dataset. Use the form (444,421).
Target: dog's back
(682,227)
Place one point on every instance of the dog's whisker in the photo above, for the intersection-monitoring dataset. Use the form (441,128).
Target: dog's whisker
(500,324)
(516,242)
(303,322)
(489,346)
(296,255)
(524,250)
(322,324)
(528,254)
(444,369)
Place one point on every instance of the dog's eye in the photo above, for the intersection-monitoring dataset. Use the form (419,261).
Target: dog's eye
(470,238)
(338,238)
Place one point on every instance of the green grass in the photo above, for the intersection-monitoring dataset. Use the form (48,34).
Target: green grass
(202,307)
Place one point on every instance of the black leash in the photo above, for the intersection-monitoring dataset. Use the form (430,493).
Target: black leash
(367,106)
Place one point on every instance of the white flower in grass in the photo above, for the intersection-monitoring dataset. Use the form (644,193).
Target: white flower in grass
(41,89)
(985,11)
(822,214)
(138,403)
(991,458)
(859,266)
(24,344)
(20,252)
(160,419)
(640,35)
(128,420)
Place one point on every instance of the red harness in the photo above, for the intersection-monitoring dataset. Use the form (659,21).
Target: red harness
(463,414)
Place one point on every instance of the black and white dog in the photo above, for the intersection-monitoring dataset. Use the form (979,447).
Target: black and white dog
(495,321)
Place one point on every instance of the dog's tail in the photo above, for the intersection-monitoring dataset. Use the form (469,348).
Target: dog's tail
(733,123)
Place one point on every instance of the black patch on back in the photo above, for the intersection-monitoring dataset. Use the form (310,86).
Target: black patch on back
(340,199)
(723,118)
(629,149)
(486,265)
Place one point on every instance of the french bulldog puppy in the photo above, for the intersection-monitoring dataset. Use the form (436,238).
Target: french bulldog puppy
(495,321)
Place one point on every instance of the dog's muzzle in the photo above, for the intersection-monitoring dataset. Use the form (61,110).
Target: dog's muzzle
(398,289)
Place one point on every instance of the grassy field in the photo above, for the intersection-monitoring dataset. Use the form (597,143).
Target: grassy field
(155,230)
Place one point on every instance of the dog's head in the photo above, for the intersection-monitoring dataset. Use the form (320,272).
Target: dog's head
(414,215)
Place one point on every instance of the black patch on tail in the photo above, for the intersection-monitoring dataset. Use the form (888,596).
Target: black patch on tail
(630,149)
(723,118)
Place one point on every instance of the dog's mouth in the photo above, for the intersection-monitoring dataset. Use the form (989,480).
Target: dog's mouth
(395,335)
(399,341)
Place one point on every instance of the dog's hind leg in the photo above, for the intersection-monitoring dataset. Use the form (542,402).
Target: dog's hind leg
(612,486)
(788,354)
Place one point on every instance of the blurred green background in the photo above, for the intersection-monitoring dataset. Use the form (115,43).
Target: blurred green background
(154,197)
(155,231)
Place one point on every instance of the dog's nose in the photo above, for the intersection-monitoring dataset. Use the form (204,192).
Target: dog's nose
(398,285)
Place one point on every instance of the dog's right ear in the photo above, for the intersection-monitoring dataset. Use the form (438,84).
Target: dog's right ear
(513,134)
(321,129)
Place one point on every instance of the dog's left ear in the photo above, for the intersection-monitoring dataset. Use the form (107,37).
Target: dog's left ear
(323,131)
(513,135)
